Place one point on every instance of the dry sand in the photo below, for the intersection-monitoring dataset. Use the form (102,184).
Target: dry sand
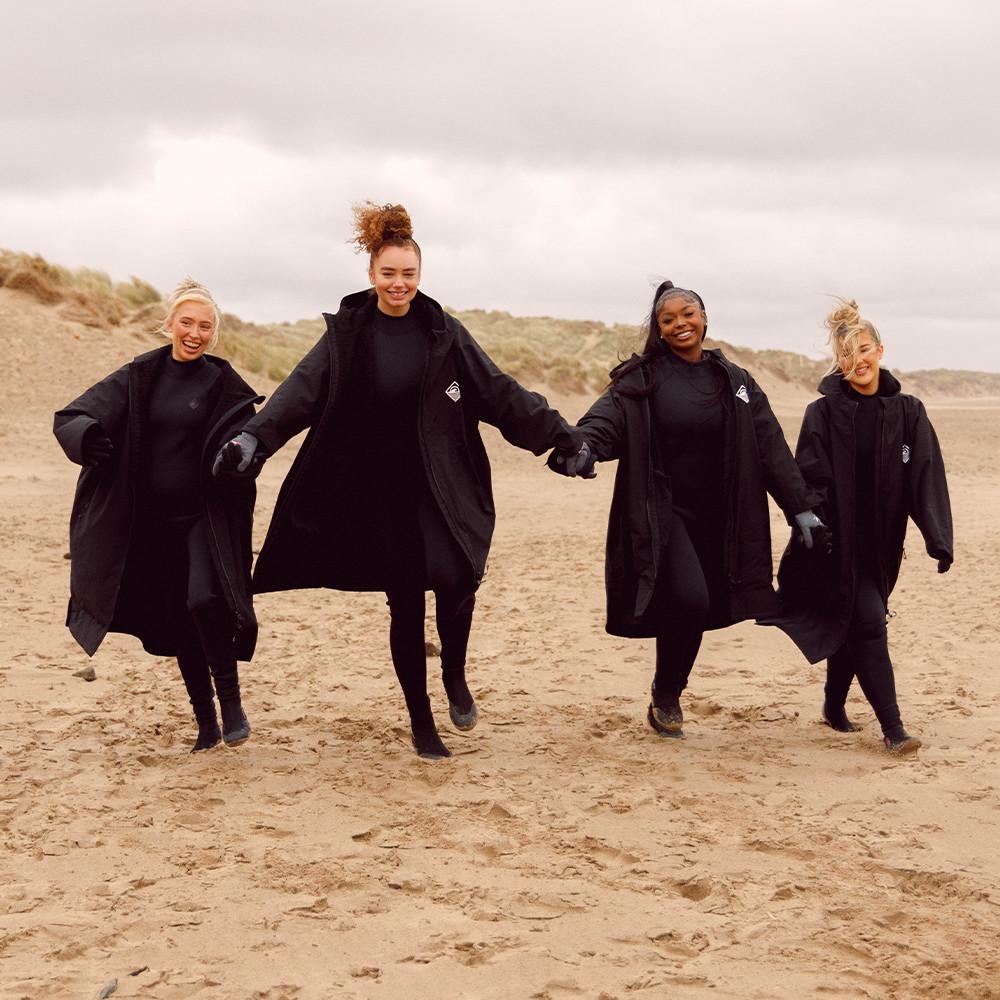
(565,851)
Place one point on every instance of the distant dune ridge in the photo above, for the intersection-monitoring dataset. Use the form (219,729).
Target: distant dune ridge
(566,355)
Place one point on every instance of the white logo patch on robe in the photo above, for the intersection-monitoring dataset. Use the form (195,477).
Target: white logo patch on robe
(906,453)
(741,393)
(453,392)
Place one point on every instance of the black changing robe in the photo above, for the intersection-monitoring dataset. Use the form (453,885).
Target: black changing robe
(120,579)
(817,589)
(756,461)
(325,524)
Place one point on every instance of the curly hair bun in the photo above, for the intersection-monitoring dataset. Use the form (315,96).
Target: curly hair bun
(845,318)
(377,225)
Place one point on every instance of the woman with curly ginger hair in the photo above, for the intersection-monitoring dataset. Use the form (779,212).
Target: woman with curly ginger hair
(391,490)
(161,548)
(871,453)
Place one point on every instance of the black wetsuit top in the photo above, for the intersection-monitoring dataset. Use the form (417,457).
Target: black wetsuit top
(179,405)
(688,428)
(866,435)
(398,348)
(420,550)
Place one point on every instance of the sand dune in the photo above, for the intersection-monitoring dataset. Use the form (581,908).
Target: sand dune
(565,851)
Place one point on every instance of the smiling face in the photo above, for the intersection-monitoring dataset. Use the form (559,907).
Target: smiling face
(395,273)
(861,366)
(191,328)
(682,325)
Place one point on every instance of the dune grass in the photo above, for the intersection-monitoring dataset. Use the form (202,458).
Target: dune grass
(539,351)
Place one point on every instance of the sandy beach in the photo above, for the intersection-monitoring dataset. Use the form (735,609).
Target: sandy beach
(566,850)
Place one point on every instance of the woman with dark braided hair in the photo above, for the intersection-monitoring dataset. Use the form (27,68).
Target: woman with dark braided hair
(871,453)
(698,449)
(391,489)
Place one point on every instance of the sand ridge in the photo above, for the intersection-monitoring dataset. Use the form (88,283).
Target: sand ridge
(565,851)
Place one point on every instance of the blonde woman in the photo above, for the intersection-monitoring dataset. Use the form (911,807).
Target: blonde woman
(160,548)
(870,451)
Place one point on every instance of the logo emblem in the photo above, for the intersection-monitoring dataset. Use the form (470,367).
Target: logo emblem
(453,392)
(741,393)
(906,453)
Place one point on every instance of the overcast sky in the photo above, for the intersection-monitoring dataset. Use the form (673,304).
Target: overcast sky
(556,157)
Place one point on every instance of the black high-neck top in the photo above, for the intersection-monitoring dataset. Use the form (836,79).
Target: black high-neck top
(688,427)
(867,418)
(179,405)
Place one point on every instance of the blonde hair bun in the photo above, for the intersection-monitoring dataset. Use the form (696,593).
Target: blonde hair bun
(843,319)
(847,327)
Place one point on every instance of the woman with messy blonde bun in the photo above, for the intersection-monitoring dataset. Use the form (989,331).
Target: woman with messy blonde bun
(391,490)
(160,549)
(870,451)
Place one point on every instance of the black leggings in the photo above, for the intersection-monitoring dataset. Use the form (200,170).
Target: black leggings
(407,607)
(689,565)
(205,650)
(865,655)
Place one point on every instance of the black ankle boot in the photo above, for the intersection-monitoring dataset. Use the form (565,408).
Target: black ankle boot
(836,718)
(209,736)
(664,713)
(215,629)
(898,741)
(198,681)
(235,727)
(424,733)
(461,705)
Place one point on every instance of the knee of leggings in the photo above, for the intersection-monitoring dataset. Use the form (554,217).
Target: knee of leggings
(867,629)
(200,603)
(457,603)
(689,606)
(405,603)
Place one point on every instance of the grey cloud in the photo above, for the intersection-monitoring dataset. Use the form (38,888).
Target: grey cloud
(551,154)
(546,83)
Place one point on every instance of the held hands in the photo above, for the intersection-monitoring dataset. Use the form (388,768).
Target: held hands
(236,456)
(578,463)
(813,531)
(96,446)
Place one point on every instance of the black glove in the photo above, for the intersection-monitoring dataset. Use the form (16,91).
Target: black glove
(237,456)
(577,463)
(96,447)
(813,531)
(944,565)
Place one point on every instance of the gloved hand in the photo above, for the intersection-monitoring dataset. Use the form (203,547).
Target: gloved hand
(944,565)
(579,463)
(812,530)
(96,446)
(236,455)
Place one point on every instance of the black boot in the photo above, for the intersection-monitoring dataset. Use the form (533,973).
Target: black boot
(454,621)
(839,675)
(426,741)
(461,705)
(876,678)
(215,628)
(664,713)
(198,681)
(836,718)
(235,727)
(899,741)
